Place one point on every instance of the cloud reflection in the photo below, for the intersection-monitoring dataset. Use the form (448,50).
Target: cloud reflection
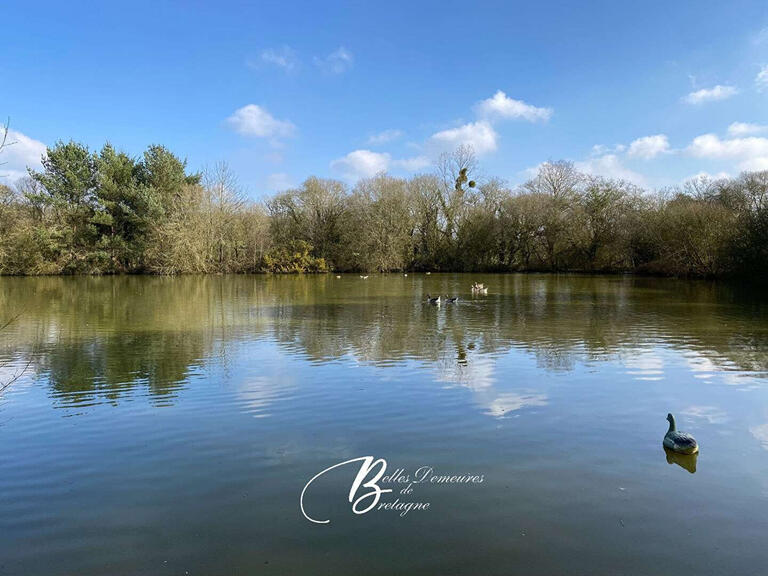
(711,414)
(761,434)
(513,401)
(477,373)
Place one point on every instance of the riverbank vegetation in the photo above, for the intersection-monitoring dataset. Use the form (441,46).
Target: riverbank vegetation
(106,212)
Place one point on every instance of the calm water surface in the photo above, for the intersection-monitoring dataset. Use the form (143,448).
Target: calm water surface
(168,425)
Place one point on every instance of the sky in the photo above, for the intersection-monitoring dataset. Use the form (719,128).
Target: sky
(652,92)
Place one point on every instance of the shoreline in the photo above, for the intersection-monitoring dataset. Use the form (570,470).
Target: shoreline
(732,278)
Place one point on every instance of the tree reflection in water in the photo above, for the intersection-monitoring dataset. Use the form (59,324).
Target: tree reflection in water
(99,338)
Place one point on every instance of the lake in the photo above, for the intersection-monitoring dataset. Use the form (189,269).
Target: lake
(169,425)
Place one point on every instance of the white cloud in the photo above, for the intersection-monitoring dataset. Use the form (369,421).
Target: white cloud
(384,137)
(610,166)
(531,171)
(750,153)
(337,62)
(602,149)
(745,129)
(480,135)
(714,94)
(20,152)
(755,164)
(413,164)
(761,80)
(255,121)
(361,164)
(283,57)
(366,163)
(278,181)
(649,146)
(502,106)
(707,176)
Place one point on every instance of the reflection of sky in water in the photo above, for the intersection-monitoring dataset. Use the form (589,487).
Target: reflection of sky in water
(184,427)
(761,434)
(512,401)
(11,369)
(644,365)
(477,373)
(712,414)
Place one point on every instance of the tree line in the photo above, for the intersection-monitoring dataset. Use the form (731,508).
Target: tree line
(106,212)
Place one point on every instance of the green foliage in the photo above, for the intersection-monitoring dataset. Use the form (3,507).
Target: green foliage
(296,258)
(94,213)
(127,210)
(164,173)
(106,212)
(67,191)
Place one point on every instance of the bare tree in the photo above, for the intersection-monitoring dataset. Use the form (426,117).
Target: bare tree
(558,179)
(224,203)
(4,131)
(456,171)
(4,138)
(557,184)
(378,230)
(455,168)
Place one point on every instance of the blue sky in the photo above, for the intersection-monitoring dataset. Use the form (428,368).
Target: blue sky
(654,92)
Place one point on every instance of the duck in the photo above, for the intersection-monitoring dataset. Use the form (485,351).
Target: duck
(405,275)
(427,273)
(433,300)
(364,277)
(338,276)
(450,300)
(679,442)
(479,288)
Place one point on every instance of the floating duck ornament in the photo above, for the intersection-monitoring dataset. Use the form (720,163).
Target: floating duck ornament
(679,442)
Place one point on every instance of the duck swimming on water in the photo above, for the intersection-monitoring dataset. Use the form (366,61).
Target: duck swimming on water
(433,299)
(679,442)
